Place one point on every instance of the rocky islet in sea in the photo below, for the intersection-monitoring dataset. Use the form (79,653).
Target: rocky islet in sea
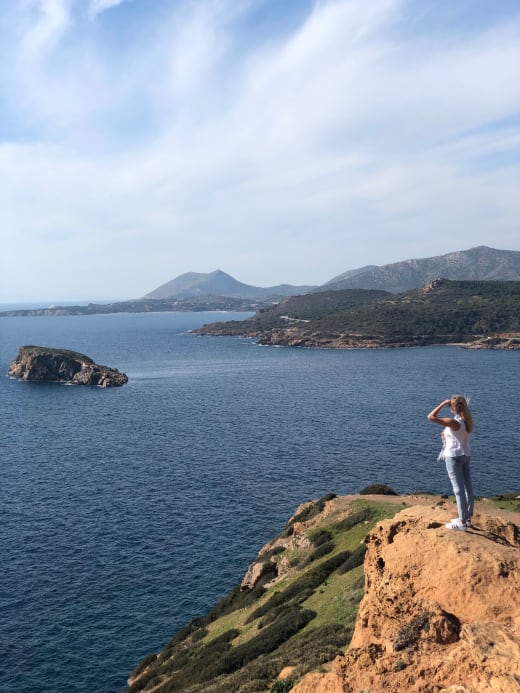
(46,364)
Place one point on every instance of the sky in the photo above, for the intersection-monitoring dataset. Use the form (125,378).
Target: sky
(281,141)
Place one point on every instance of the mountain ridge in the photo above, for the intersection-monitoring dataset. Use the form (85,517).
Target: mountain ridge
(480,262)
(195,291)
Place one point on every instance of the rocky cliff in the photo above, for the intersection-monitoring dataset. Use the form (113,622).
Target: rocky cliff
(440,610)
(44,364)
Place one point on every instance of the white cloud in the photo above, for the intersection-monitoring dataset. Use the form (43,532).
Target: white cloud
(50,20)
(345,142)
(98,6)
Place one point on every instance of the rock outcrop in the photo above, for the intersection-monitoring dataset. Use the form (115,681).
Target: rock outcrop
(440,612)
(43,364)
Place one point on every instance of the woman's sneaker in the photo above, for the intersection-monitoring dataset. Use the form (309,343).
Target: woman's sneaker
(456,524)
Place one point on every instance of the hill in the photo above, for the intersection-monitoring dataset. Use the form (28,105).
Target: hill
(219,283)
(341,600)
(480,263)
(441,312)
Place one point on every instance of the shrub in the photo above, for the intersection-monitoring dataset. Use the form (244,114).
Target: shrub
(312,648)
(272,615)
(143,664)
(353,561)
(293,620)
(238,598)
(410,633)
(378,489)
(296,560)
(311,510)
(364,515)
(282,686)
(302,588)
(149,679)
(322,550)
(181,635)
(269,572)
(265,557)
(307,650)
(188,666)
(321,536)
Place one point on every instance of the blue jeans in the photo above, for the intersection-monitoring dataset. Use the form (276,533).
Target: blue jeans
(460,477)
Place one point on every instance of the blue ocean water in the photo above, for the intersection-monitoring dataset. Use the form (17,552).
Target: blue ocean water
(127,512)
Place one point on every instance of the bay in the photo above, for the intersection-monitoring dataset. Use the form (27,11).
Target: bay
(127,512)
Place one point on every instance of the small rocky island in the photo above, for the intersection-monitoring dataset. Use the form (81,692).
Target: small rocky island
(45,364)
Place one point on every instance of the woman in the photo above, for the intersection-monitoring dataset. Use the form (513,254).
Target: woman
(456,436)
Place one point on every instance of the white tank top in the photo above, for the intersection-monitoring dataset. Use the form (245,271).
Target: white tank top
(456,442)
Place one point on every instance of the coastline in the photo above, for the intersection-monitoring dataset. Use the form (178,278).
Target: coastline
(293,337)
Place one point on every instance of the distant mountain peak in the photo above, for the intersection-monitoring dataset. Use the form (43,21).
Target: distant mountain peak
(479,263)
(219,283)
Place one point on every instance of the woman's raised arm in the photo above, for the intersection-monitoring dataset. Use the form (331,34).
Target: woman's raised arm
(434,417)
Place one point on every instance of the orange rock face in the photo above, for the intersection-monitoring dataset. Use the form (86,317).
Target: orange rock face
(441,609)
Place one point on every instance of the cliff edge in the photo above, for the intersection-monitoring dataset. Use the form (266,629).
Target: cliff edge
(45,364)
(362,593)
(440,612)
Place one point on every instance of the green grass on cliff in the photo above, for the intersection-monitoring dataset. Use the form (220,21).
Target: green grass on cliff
(304,620)
(506,501)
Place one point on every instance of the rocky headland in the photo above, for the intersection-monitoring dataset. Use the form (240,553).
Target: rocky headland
(362,593)
(45,364)
(476,314)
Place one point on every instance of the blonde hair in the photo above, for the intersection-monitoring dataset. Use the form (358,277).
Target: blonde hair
(462,408)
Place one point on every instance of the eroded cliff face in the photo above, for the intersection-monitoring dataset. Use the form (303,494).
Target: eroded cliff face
(42,364)
(441,609)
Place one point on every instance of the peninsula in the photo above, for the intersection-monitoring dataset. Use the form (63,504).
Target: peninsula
(45,364)
(478,314)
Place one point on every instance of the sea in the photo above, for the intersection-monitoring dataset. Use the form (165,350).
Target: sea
(127,512)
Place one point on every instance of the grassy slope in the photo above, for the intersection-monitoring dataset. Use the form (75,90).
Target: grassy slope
(302,621)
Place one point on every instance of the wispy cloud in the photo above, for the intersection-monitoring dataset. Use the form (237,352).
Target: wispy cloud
(46,22)
(191,139)
(98,6)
